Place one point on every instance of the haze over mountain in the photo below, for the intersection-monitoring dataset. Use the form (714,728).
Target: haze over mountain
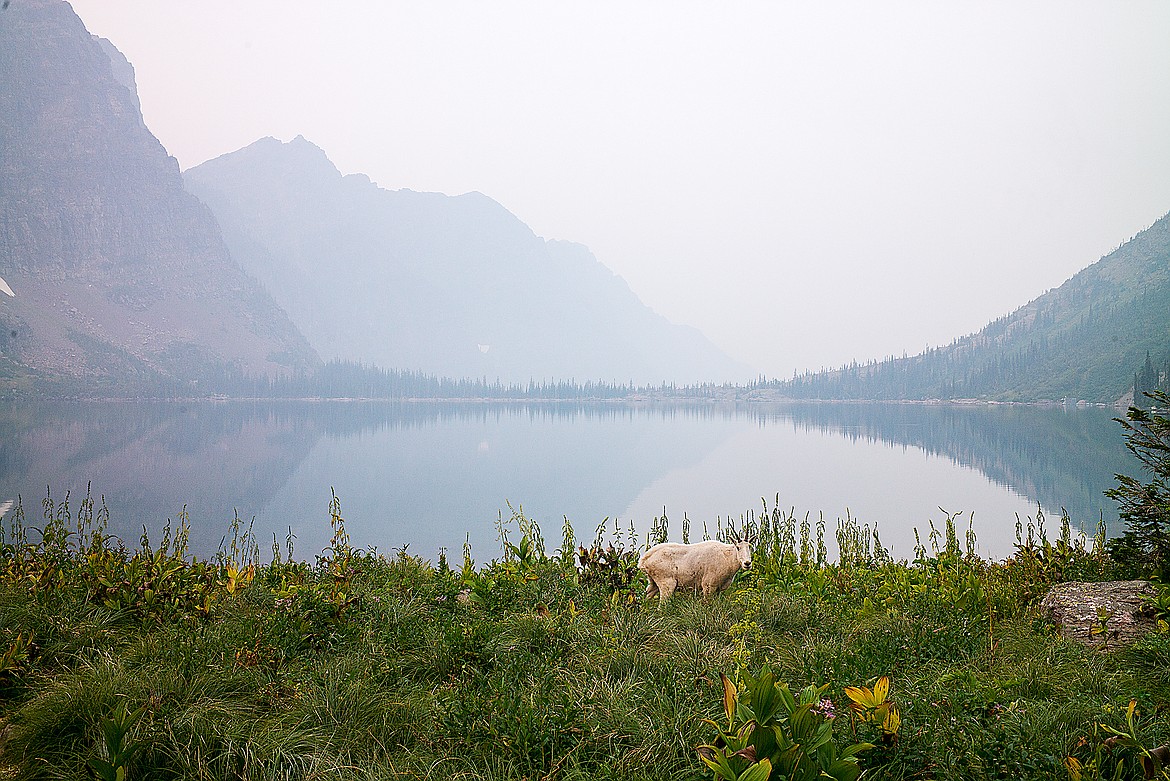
(1084,340)
(808,183)
(454,286)
(113,272)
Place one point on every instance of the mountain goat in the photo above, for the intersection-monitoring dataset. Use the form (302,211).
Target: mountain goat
(707,566)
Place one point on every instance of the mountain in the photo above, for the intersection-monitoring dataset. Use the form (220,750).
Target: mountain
(1084,340)
(454,286)
(115,276)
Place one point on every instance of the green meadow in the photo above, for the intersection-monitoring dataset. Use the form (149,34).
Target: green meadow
(143,662)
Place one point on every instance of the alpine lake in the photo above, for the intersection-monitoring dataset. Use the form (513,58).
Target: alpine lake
(439,476)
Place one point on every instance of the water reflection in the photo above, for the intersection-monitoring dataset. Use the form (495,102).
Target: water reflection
(447,478)
(1061,457)
(150,461)
(432,475)
(900,466)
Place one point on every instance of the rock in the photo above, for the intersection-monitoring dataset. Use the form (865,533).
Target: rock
(120,274)
(1100,615)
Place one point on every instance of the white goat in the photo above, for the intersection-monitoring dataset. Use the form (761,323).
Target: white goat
(708,566)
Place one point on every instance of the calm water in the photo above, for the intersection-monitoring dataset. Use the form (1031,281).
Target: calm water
(434,475)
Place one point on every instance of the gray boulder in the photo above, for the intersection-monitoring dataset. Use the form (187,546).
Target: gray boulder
(1101,615)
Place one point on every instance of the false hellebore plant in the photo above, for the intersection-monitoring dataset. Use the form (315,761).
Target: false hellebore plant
(772,733)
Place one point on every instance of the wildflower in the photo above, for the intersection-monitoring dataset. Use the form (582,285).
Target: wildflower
(824,709)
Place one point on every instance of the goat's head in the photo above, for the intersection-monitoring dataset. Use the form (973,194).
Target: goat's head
(743,546)
(743,551)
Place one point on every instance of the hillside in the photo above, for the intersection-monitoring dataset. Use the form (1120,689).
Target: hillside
(1084,340)
(454,286)
(116,278)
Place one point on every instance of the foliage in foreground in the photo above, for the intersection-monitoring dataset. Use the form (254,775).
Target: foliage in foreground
(145,663)
(1145,507)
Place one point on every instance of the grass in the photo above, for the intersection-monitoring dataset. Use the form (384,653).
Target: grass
(365,666)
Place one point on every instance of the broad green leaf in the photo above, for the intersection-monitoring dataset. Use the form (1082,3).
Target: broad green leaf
(843,770)
(855,749)
(783,743)
(800,721)
(761,771)
(763,691)
(766,741)
(717,761)
(822,737)
(101,767)
(786,697)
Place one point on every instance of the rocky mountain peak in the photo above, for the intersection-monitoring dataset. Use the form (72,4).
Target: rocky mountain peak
(121,273)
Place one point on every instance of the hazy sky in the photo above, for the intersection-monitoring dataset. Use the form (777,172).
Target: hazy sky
(808,183)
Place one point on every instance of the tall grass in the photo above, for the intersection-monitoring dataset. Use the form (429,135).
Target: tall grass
(543,664)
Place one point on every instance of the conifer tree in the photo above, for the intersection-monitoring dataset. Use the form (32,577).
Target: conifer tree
(1145,507)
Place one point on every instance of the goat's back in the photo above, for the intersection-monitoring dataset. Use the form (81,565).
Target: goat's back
(680,553)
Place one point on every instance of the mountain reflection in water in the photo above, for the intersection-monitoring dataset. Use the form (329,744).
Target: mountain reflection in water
(434,475)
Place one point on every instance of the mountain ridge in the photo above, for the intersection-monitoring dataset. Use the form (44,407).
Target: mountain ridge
(462,286)
(1082,340)
(120,277)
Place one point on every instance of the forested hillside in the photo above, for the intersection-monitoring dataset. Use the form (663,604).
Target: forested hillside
(1151,377)
(1090,339)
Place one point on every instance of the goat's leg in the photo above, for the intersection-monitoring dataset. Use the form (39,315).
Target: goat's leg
(666,589)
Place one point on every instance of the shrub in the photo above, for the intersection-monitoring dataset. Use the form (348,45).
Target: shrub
(772,733)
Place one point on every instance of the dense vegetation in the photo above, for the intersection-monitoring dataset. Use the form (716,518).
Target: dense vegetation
(335,379)
(1145,506)
(1151,379)
(1082,340)
(147,663)
(1084,363)
(549,664)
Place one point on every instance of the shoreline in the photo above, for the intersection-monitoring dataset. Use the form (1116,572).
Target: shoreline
(752,398)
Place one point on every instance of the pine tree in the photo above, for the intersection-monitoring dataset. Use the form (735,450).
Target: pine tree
(1145,380)
(1145,507)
